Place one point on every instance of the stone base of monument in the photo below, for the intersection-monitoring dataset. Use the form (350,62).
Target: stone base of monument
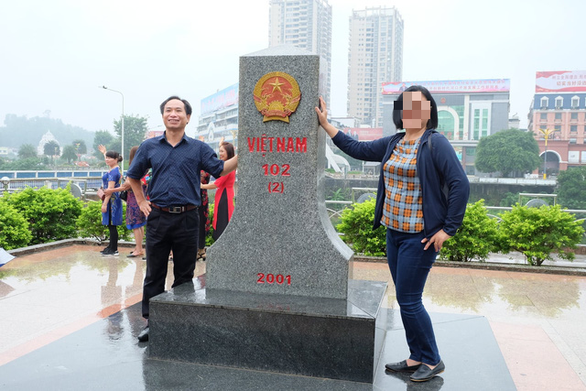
(319,337)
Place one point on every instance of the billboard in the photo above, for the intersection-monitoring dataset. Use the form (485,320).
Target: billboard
(364,134)
(219,100)
(450,86)
(560,81)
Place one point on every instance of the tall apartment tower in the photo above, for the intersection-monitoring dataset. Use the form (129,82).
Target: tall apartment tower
(306,24)
(375,56)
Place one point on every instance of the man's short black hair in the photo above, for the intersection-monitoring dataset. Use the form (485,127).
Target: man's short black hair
(185,102)
(398,108)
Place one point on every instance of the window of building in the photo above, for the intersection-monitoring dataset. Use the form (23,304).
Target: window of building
(557,128)
(559,102)
(575,102)
(543,116)
(544,102)
(573,128)
(574,116)
(558,116)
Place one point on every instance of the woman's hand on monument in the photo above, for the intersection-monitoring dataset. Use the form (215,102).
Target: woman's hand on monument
(322,115)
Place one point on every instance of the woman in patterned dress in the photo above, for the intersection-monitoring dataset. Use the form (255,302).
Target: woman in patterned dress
(204,217)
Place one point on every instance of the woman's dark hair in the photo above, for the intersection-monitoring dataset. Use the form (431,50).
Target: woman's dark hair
(398,110)
(229,149)
(185,102)
(114,155)
(132,153)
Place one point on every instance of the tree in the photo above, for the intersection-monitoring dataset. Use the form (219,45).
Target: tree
(135,128)
(508,151)
(69,153)
(26,151)
(572,188)
(101,137)
(80,147)
(51,149)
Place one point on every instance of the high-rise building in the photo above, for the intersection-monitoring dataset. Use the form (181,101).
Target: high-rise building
(306,24)
(375,56)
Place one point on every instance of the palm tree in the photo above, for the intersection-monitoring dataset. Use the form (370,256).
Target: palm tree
(27,151)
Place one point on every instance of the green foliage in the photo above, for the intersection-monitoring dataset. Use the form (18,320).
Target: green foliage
(102,137)
(14,231)
(69,153)
(27,151)
(509,199)
(356,225)
(474,239)
(572,188)
(51,214)
(80,147)
(538,232)
(89,223)
(31,163)
(135,128)
(508,151)
(51,148)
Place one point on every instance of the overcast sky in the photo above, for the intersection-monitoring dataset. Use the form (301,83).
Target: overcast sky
(54,54)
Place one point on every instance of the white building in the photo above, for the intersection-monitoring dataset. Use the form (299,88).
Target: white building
(47,137)
(375,56)
(219,118)
(306,24)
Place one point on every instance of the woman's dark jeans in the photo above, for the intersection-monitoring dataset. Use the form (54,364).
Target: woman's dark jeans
(410,266)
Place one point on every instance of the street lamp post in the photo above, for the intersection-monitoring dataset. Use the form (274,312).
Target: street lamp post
(546,133)
(122,133)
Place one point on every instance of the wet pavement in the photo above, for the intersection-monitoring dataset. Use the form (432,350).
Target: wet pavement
(69,319)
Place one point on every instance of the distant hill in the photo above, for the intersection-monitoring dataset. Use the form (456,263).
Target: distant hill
(22,130)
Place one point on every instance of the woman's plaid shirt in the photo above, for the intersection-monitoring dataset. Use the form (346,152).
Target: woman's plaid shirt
(402,209)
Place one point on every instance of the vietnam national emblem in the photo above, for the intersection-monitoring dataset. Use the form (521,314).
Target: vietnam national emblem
(276,96)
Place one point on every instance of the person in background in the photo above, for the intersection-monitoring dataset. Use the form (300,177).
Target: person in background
(111,204)
(135,219)
(204,218)
(174,197)
(421,200)
(224,197)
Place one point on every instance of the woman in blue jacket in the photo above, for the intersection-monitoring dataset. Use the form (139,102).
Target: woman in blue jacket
(421,200)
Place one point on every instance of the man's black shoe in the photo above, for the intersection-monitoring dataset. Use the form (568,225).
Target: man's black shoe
(424,373)
(401,367)
(144,335)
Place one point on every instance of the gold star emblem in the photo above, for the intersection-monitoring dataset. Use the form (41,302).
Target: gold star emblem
(276,85)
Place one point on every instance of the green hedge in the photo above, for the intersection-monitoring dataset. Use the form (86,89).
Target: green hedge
(14,229)
(535,232)
(51,214)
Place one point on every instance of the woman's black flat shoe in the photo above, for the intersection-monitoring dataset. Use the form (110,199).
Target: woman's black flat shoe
(401,367)
(425,373)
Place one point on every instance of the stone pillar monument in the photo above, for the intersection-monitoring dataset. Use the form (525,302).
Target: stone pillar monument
(280,239)
(278,294)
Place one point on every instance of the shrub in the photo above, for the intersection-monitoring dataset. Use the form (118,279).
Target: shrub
(14,229)
(89,223)
(51,214)
(474,239)
(537,232)
(356,225)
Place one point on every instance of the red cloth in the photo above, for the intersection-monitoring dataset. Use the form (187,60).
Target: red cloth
(225,184)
